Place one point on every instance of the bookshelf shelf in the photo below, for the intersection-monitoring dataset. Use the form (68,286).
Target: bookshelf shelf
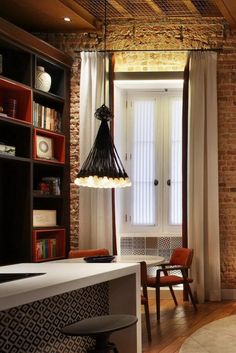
(16,100)
(48,244)
(48,146)
(33,177)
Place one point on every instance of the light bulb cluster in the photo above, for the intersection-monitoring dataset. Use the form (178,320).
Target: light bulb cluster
(103,182)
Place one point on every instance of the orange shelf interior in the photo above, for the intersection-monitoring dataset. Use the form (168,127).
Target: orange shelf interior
(23,96)
(58,146)
(58,234)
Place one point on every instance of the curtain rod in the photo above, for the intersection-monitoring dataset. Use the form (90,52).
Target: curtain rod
(149,50)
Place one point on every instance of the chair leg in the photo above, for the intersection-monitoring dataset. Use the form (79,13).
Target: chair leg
(148,325)
(191,296)
(158,303)
(173,295)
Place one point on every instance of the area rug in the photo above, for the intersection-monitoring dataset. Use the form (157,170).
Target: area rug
(216,337)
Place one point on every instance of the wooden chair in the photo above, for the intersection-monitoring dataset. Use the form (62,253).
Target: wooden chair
(144,297)
(88,252)
(181,260)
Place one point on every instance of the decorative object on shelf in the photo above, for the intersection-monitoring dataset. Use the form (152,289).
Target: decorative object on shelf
(103,167)
(44,147)
(2,112)
(48,186)
(43,79)
(44,218)
(10,107)
(53,184)
(4,149)
(44,188)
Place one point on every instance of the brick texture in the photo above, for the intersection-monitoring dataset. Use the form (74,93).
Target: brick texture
(129,39)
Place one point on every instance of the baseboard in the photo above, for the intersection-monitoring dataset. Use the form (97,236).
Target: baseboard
(228,294)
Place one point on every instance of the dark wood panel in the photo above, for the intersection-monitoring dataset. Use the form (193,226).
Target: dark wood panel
(32,43)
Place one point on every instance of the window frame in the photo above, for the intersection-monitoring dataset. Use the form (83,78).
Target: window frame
(125,228)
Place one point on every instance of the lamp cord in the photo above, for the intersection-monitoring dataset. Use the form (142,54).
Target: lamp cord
(105,48)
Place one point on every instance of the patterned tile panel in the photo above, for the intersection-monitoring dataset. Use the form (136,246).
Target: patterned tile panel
(139,243)
(161,246)
(35,327)
(164,243)
(175,242)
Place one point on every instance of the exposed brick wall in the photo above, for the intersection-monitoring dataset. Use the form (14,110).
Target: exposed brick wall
(227,166)
(150,61)
(173,36)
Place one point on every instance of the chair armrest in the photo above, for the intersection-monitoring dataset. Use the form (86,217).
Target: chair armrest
(173,268)
(165,270)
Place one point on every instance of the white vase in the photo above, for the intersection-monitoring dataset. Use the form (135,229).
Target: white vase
(43,79)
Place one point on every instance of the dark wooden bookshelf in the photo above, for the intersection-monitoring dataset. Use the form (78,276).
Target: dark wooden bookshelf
(24,171)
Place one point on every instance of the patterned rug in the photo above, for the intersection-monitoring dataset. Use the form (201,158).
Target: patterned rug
(216,337)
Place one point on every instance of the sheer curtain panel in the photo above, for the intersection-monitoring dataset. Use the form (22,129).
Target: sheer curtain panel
(95,208)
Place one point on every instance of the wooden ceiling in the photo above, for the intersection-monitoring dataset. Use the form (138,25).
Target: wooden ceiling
(87,15)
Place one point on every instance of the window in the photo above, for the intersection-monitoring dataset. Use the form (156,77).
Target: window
(152,133)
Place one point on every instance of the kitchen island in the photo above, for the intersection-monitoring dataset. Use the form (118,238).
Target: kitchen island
(33,309)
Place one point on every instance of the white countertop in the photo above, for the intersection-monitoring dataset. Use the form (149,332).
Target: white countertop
(59,278)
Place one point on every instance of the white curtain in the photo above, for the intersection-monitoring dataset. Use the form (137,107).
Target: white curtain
(95,209)
(203,187)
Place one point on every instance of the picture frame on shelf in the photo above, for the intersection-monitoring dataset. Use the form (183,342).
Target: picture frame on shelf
(44,147)
(44,218)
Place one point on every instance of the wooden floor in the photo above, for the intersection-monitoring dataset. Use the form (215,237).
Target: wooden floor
(177,323)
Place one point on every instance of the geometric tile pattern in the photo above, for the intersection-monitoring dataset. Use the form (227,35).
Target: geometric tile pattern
(162,246)
(35,327)
(155,246)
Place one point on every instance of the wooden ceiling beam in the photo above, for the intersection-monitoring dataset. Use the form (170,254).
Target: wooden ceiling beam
(227,7)
(154,7)
(191,7)
(119,8)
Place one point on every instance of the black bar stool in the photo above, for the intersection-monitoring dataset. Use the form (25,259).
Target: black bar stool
(100,328)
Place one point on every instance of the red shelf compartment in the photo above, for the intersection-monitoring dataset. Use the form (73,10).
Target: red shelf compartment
(48,244)
(52,141)
(23,97)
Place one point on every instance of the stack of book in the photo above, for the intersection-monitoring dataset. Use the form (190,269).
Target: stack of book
(46,118)
(46,248)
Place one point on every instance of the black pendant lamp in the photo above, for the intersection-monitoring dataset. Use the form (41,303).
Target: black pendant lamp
(103,167)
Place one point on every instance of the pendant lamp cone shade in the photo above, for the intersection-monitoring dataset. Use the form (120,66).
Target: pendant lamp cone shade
(103,167)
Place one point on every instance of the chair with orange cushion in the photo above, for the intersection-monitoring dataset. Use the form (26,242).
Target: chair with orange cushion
(181,260)
(88,252)
(144,297)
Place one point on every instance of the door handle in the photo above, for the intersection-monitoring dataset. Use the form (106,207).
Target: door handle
(156,182)
(168,182)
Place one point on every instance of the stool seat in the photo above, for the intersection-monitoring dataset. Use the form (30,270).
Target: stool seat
(100,328)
